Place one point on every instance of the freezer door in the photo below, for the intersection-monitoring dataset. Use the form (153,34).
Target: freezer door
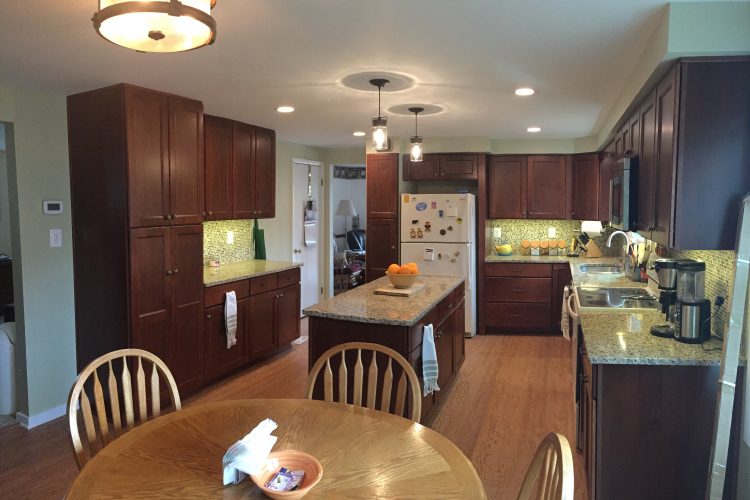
(437,218)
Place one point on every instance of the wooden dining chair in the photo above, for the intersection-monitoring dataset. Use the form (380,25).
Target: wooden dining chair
(550,475)
(99,436)
(408,377)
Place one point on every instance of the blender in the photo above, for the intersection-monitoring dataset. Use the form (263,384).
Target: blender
(693,311)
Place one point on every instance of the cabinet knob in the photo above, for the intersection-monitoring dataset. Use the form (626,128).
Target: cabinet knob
(208,316)
(176,271)
(169,272)
(393,247)
(166,216)
(281,295)
(210,212)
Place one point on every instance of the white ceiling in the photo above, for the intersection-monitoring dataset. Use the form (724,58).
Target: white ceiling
(466,56)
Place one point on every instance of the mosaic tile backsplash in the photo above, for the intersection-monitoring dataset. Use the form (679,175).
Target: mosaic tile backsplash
(516,230)
(215,244)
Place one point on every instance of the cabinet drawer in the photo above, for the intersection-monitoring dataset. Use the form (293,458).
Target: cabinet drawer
(263,284)
(519,270)
(290,277)
(517,289)
(214,295)
(509,315)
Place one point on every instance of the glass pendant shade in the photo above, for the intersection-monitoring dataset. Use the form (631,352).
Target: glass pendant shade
(380,133)
(156,25)
(416,150)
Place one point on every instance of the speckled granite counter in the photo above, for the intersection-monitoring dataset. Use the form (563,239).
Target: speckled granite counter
(363,306)
(532,259)
(244,269)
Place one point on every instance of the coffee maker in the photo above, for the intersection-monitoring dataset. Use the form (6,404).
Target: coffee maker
(692,317)
(666,273)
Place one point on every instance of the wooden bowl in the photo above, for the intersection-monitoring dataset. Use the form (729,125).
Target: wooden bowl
(402,280)
(292,460)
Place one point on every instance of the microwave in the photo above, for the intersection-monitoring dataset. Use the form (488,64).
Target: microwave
(623,194)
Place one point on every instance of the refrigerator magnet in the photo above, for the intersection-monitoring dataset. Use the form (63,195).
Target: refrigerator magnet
(459,220)
(413,233)
(406,198)
(421,206)
(414,222)
(441,213)
(433,205)
(428,226)
(419,233)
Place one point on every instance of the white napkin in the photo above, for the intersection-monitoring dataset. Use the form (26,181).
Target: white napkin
(248,455)
(230,318)
(429,362)
(564,319)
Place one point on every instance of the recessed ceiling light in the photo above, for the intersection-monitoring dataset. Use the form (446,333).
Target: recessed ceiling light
(533,130)
(524,91)
(358,133)
(285,109)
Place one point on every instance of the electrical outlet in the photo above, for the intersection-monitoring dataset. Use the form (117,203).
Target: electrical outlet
(55,238)
(552,233)
(497,232)
(230,237)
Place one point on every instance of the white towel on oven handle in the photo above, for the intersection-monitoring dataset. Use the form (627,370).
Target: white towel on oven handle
(230,318)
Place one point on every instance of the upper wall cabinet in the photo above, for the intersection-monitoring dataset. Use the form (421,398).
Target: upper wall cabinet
(382,186)
(528,187)
(164,137)
(442,166)
(240,170)
(586,187)
(693,163)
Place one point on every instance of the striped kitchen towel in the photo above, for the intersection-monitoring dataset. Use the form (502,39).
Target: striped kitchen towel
(230,318)
(429,362)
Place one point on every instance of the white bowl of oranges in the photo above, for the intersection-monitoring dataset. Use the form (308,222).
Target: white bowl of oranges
(402,276)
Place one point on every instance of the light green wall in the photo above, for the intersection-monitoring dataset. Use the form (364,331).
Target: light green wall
(38,169)
(5,246)
(703,28)
(344,156)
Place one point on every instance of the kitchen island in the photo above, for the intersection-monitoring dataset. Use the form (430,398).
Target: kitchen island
(360,315)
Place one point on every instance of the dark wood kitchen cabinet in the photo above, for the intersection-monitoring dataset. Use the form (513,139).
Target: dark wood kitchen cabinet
(166,275)
(518,297)
(666,126)
(240,170)
(274,314)
(586,187)
(426,170)
(264,325)
(382,213)
(546,187)
(382,246)
(506,185)
(218,359)
(442,166)
(647,166)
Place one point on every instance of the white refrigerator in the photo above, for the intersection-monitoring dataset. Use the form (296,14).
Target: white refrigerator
(438,232)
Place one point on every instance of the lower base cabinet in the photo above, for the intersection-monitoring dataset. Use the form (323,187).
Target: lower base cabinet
(274,320)
(218,360)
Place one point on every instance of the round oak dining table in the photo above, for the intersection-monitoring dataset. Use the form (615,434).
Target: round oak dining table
(364,453)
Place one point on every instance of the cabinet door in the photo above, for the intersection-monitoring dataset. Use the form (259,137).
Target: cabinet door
(426,170)
(382,246)
(219,360)
(262,325)
(666,123)
(288,311)
(646,166)
(561,277)
(382,186)
(147,115)
(507,187)
(458,166)
(264,184)
(586,187)
(186,161)
(605,176)
(635,134)
(546,187)
(218,168)
(185,358)
(444,348)
(625,134)
(150,290)
(619,146)
(459,339)
(243,176)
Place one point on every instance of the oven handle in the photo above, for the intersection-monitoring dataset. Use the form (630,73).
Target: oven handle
(573,311)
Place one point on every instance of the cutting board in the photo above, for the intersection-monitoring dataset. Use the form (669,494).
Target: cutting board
(399,292)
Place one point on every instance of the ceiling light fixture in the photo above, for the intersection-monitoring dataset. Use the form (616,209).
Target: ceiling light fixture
(379,124)
(525,91)
(533,130)
(156,25)
(358,133)
(285,109)
(416,149)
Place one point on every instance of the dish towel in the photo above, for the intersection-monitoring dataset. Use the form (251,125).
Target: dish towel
(230,318)
(564,319)
(429,362)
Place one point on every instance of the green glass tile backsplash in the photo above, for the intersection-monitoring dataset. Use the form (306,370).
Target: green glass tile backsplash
(215,244)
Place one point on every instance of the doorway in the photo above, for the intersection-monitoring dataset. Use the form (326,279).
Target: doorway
(307,228)
(348,204)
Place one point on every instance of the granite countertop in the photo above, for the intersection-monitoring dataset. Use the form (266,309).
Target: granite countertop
(363,306)
(531,259)
(244,269)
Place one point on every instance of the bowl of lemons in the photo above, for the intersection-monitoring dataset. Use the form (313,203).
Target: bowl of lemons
(403,276)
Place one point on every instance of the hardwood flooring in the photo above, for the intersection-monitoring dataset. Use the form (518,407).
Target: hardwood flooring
(511,391)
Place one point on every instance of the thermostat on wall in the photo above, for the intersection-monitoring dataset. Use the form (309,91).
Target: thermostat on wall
(52,207)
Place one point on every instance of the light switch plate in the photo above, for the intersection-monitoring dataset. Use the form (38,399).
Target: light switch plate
(551,232)
(55,238)
(497,232)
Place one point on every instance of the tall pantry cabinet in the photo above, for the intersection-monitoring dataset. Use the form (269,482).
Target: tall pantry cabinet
(136,173)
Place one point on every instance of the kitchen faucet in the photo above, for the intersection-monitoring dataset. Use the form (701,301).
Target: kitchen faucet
(627,238)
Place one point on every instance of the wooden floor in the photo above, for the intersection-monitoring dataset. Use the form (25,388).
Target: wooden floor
(511,391)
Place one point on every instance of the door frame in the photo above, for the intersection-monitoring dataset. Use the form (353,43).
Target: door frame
(324,246)
(330,217)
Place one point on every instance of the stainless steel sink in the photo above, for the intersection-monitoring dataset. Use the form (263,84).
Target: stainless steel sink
(596,299)
(601,268)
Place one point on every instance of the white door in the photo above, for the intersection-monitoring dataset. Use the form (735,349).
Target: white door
(307,189)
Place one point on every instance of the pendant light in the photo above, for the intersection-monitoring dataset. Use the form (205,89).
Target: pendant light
(416,149)
(156,25)
(380,124)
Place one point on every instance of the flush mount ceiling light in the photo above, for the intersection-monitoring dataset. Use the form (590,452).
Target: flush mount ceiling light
(285,109)
(156,25)
(358,133)
(416,149)
(533,130)
(379,124)
(524,91)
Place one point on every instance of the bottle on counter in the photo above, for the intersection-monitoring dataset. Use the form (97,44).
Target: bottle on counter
(535,247)
(544,247)
(553,248)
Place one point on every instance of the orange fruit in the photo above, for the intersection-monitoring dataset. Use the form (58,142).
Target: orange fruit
(414,266)
(394,268)
(405,270)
